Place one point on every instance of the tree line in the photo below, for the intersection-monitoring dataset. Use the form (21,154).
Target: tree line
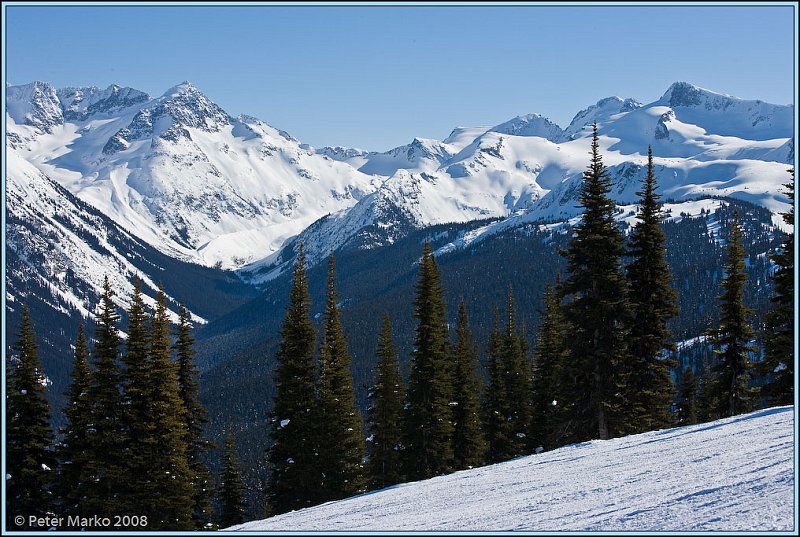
(133,441)
(601,367)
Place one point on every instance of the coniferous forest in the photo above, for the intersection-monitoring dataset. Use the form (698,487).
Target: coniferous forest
(476,385)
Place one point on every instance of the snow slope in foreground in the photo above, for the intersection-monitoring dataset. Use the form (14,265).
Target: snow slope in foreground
(735,474)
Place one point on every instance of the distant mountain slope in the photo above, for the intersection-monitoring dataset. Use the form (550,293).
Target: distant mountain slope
(59,249)
(705,145)
(68,246)
(735,474)
(177,171)
(180,173)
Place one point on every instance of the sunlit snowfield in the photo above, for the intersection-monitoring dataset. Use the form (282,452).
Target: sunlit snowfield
(735,474)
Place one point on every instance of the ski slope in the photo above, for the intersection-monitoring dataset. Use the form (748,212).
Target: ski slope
(735,474)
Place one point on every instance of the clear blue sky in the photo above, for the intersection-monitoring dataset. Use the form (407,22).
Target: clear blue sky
(376,76)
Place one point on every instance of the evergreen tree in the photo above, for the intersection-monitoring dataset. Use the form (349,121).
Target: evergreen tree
(496,399)
(428,427)
(550,355)
(135,379)
(29,439)
(596,309)
(778,364)
(518,385)
(731,394)
(105,472)
(196,418)
(231,490)
(292,456)
(171,501)
(385,414)
(74,447)
(686,398)
(469,444)
(340,425)
(649,389)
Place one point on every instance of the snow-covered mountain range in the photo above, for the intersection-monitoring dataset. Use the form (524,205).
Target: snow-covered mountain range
(177,170)
(182,175)
(528,169)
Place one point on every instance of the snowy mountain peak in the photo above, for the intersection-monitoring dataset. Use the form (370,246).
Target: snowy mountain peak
(461,137)
(168,117)
(682,94)
(30,89)
(43,107)
(189,107)
(625,105)
(35,104)
(421,154)
(600,112)
(726,115)
(530,125)
(686,94)
(424,148)
(80,103)
(181,89)
(341,153)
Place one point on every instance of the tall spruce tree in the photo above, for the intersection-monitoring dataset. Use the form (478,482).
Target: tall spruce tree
(649,388)
(29,439)
(550,355)
(731,392)
(518,384)
(428,425)
(195,418)
(105,473)
(294,479)
(596,308)
(169,477)
(231,490)
(778,364)
(495,402)
(135,380)
(74,446)
(469,443)
(340,425)
(385,414)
